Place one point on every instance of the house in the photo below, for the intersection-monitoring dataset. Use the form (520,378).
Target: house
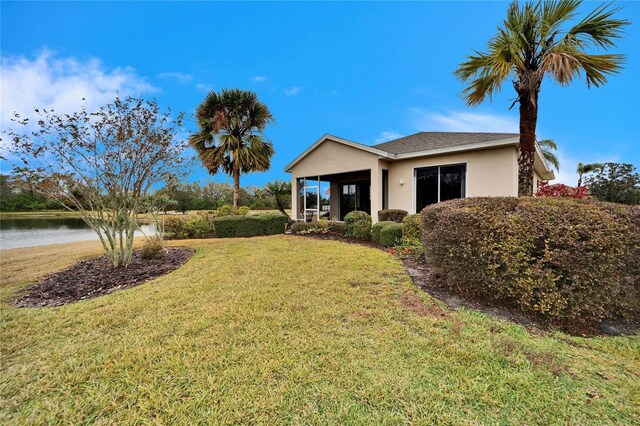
(335,176)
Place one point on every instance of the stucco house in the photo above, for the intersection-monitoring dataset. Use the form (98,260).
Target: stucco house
(335,176)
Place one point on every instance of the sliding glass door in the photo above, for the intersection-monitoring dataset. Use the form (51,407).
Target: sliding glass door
(354,196)
(439,183)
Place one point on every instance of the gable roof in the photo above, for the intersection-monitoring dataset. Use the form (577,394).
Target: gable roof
(426,141)
(328,137)
(429,143)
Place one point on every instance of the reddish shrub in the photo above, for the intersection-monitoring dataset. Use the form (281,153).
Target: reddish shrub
(560,190)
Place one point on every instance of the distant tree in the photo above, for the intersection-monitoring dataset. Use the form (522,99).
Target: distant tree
(548,148)
(532,43)
(231,135)
(103,164)
(281,191)
(583,169)
(615,182)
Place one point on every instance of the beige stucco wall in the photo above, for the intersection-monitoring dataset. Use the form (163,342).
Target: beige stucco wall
(332,157)
(490,172)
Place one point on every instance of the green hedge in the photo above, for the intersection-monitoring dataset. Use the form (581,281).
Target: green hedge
(304,228)
(568,261)
(391,234)
(392,215)
(319,227)
(375,230)
(188,226)
(358,224)
(248,226)
(412,230)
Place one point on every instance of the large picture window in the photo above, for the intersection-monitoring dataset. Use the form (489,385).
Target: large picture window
(439,183)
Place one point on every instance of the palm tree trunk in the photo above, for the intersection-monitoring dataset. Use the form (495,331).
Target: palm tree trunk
(527,146)
(236,185)
(579,180)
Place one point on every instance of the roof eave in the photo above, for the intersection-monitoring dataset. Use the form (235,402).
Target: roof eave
(326,136)
(458,148)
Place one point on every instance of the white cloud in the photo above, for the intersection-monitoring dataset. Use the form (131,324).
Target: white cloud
(292,91)
(387,136)
(458,121)
(204,87)
(259,79)
(61,83)
(178,76)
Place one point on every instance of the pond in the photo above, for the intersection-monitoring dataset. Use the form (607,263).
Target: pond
(39,231)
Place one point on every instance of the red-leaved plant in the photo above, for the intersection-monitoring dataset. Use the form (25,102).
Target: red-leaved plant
(560,190)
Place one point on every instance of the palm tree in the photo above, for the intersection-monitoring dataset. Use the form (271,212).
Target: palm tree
(230,136)
(583,169)
(279,190)
(531,43)
(548,146)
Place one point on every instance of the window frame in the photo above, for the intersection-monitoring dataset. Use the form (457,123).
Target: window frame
(414,188)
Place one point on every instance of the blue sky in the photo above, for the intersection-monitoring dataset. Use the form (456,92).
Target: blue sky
(363,71)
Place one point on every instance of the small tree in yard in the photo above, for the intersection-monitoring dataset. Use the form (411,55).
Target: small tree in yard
(104,164)
(281,191)
(616,183)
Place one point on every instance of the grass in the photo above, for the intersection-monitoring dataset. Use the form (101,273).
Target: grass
(292,330)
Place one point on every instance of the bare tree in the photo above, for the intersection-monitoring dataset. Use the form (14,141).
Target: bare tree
(103,164)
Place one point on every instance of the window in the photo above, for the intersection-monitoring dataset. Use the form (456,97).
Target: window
(385,189)
(439,183)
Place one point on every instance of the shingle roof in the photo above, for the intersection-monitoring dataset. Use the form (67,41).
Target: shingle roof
(425,141)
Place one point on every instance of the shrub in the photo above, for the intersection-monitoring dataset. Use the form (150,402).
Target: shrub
(305,228)
(248,226)
(358,225)
(153,247)
(190,226)
(392,215)
(227,210)
(338,227)
(565,260)
(412,230)
(375,230)
(560,190)
(391,234)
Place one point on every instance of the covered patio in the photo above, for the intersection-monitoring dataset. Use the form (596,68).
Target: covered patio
(332,196)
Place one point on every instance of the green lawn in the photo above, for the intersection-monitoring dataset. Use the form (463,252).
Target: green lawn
(293,330)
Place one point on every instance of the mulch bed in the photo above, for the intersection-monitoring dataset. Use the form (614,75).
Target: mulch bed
(420,273)
(96,277)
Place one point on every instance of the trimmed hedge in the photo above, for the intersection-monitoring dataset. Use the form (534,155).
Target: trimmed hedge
(317,227)
(392,215)
(338,227)
(358,225)
(412,230)
(249,226)
(568,261)
(391,234)
(188,226)
(375,230)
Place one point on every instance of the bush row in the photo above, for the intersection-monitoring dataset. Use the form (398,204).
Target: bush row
(201,226)
(249,226)
(318,227)
(565,260)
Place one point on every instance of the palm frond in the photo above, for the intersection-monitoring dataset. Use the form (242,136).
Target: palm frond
(598,28)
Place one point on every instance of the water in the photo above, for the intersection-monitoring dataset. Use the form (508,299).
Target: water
(40,231)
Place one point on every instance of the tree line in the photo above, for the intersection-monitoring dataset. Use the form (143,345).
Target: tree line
(176,196)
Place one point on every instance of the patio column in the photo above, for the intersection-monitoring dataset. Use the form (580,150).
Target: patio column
(376,191)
